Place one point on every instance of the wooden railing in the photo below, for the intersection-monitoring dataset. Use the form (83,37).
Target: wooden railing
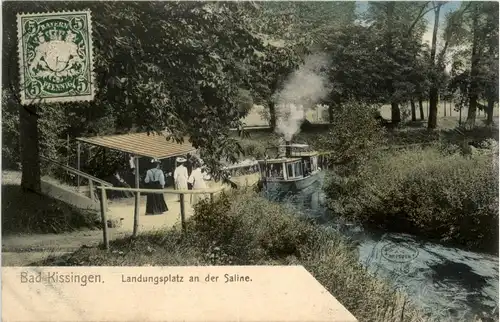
(138,191)
(80,174)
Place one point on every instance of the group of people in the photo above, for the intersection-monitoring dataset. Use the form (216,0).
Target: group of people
(155,179)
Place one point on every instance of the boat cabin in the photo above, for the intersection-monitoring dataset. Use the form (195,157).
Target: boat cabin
(242,168)
(282,169)
(309,159)
(293,165)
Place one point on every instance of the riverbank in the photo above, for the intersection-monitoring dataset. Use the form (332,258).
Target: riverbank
(429,192)
(244,229)
(449,283)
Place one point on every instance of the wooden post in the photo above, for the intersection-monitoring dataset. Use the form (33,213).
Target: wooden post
(68,153)
(183,213)
(104,218)
(137,199)
(78,147)
(91,188)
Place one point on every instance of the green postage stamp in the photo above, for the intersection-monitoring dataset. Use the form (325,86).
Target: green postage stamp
(55,57)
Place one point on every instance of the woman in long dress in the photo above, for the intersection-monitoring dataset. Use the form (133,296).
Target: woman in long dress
(155,179)
(197,180)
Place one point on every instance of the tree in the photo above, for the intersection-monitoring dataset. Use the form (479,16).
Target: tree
(473,31)
(434,90)
(399,28)
(474,69)
(172,65)
(292,30)
(488,69)
(356,72)
(282,52)
(321,24)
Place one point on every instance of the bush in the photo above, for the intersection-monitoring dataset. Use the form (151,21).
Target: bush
(243,227)
(51,125)
(10,132)
(354,135)
(426,192)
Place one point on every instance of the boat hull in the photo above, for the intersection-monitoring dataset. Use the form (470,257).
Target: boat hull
(291,185)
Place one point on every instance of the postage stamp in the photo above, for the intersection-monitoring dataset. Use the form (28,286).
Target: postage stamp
(55,57)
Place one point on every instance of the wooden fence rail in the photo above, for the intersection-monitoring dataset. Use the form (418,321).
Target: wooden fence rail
(80,174)
(181,194)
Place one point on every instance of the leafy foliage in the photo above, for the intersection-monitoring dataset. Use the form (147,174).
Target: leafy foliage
(439,195)
(354,135)
(10,132)
(170,65)
(226,223)
(473,34)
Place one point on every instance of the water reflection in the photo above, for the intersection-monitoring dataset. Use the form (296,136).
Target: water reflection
(449,283)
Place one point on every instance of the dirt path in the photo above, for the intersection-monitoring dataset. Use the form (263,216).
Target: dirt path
(54,242)
(25,259)
(21,250)
(25,249)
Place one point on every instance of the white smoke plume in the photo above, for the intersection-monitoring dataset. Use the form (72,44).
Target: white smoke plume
(303,89)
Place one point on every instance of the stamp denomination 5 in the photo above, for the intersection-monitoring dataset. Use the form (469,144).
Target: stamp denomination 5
(55,56)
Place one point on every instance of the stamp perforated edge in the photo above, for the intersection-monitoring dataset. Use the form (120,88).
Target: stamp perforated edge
(64,99)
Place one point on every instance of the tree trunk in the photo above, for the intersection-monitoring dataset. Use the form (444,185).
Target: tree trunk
(489,111)
(421,107)
(395,113)
(474,71)
(272,114)
(433,111)
(413,111)
(30,154)
(433,93)
(330,113)
(444,107)
(471,113)
(460,116)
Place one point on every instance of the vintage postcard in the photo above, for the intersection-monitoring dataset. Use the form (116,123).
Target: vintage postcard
(250,161)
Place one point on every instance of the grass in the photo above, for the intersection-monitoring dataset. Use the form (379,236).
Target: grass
(30,213)
(243,228)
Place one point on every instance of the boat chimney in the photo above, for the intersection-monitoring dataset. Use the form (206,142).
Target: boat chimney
(288,149)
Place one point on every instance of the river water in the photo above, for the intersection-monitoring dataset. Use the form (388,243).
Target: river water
(448,283)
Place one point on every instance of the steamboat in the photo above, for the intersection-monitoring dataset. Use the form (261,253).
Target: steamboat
(296,170)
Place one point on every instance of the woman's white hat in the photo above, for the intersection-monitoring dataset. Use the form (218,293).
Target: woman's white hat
(180,160)
(154,160)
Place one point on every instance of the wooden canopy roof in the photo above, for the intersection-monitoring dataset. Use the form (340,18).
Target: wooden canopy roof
(141,144)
